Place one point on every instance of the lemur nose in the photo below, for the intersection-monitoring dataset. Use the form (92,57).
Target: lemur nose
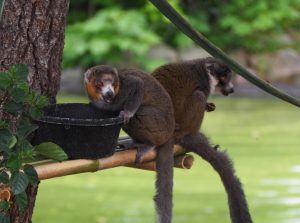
(109,94)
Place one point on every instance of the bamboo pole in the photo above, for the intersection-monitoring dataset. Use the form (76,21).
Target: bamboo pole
(5,193)
(182,161)
(55,169)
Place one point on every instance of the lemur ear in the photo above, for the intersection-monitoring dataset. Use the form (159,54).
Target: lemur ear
(209,66)
(115,70)
(87,75)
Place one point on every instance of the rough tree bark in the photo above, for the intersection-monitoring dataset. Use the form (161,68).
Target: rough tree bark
(32,32)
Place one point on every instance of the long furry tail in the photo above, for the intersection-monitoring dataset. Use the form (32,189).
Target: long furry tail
(164,182)
(199,144)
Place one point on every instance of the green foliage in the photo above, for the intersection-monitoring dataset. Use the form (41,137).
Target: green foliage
(256,25)
(19,183)
(22,201)
(23,105)
(4,218)
(109,36)
(50,150)
(98,32)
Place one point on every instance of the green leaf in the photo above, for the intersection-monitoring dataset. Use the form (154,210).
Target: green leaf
(13,107)
(35,112)
(5,80)
(51,150)
(4,178)
(24,129)
(22,201)
(41,101)
(4,148)
(3,124)
(4,218)
(31,174)
(7,139)
(4,205)
(23,85)
(24,145)
(6,136)
(12,142)
(19,183)
(21,71)
(17,94)
(13,162)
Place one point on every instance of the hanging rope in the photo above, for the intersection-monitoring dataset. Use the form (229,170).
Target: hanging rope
(166,9)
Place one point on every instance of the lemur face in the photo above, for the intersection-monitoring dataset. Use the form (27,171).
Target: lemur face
(220,77)
(102,83)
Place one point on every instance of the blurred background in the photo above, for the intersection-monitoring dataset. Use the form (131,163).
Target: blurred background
(261,133)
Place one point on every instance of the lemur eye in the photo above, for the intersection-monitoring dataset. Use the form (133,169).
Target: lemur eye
(99,84)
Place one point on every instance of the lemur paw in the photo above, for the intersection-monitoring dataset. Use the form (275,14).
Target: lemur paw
(216,147)
(142,149)
(126,115)
(210,107)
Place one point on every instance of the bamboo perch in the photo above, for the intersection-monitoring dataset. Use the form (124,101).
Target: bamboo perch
(182,161)
(5,193)
(51,170)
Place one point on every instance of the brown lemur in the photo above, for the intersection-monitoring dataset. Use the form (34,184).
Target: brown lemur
(189,84)
(148,116)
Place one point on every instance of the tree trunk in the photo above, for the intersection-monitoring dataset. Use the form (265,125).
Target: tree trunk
(16,216)
(32,32)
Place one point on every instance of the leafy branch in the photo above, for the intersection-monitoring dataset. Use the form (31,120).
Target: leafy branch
(22,105)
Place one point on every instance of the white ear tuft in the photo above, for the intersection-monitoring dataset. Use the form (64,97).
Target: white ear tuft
(87,75)
(213,82)
(209,65)
(115,70)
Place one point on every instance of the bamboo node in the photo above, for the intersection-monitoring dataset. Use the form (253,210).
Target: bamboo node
(5,193)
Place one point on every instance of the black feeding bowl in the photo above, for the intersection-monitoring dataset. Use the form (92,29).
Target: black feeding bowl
(82,130)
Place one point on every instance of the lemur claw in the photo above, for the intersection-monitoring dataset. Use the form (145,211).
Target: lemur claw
(210,107)
(126,116)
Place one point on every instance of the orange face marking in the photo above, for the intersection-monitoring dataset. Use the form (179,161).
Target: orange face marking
(91,90)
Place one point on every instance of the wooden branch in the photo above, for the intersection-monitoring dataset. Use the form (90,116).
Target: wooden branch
(182,161)
(46,170)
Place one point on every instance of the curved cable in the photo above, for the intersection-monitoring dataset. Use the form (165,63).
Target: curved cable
(167,10)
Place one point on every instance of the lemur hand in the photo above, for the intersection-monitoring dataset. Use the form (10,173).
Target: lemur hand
(126,115)
(210,107)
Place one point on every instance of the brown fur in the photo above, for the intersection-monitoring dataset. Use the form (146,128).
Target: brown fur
(188,85)
(91,90)
(149,117)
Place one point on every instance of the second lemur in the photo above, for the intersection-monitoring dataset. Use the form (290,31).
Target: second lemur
(148,116)
(189,84)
